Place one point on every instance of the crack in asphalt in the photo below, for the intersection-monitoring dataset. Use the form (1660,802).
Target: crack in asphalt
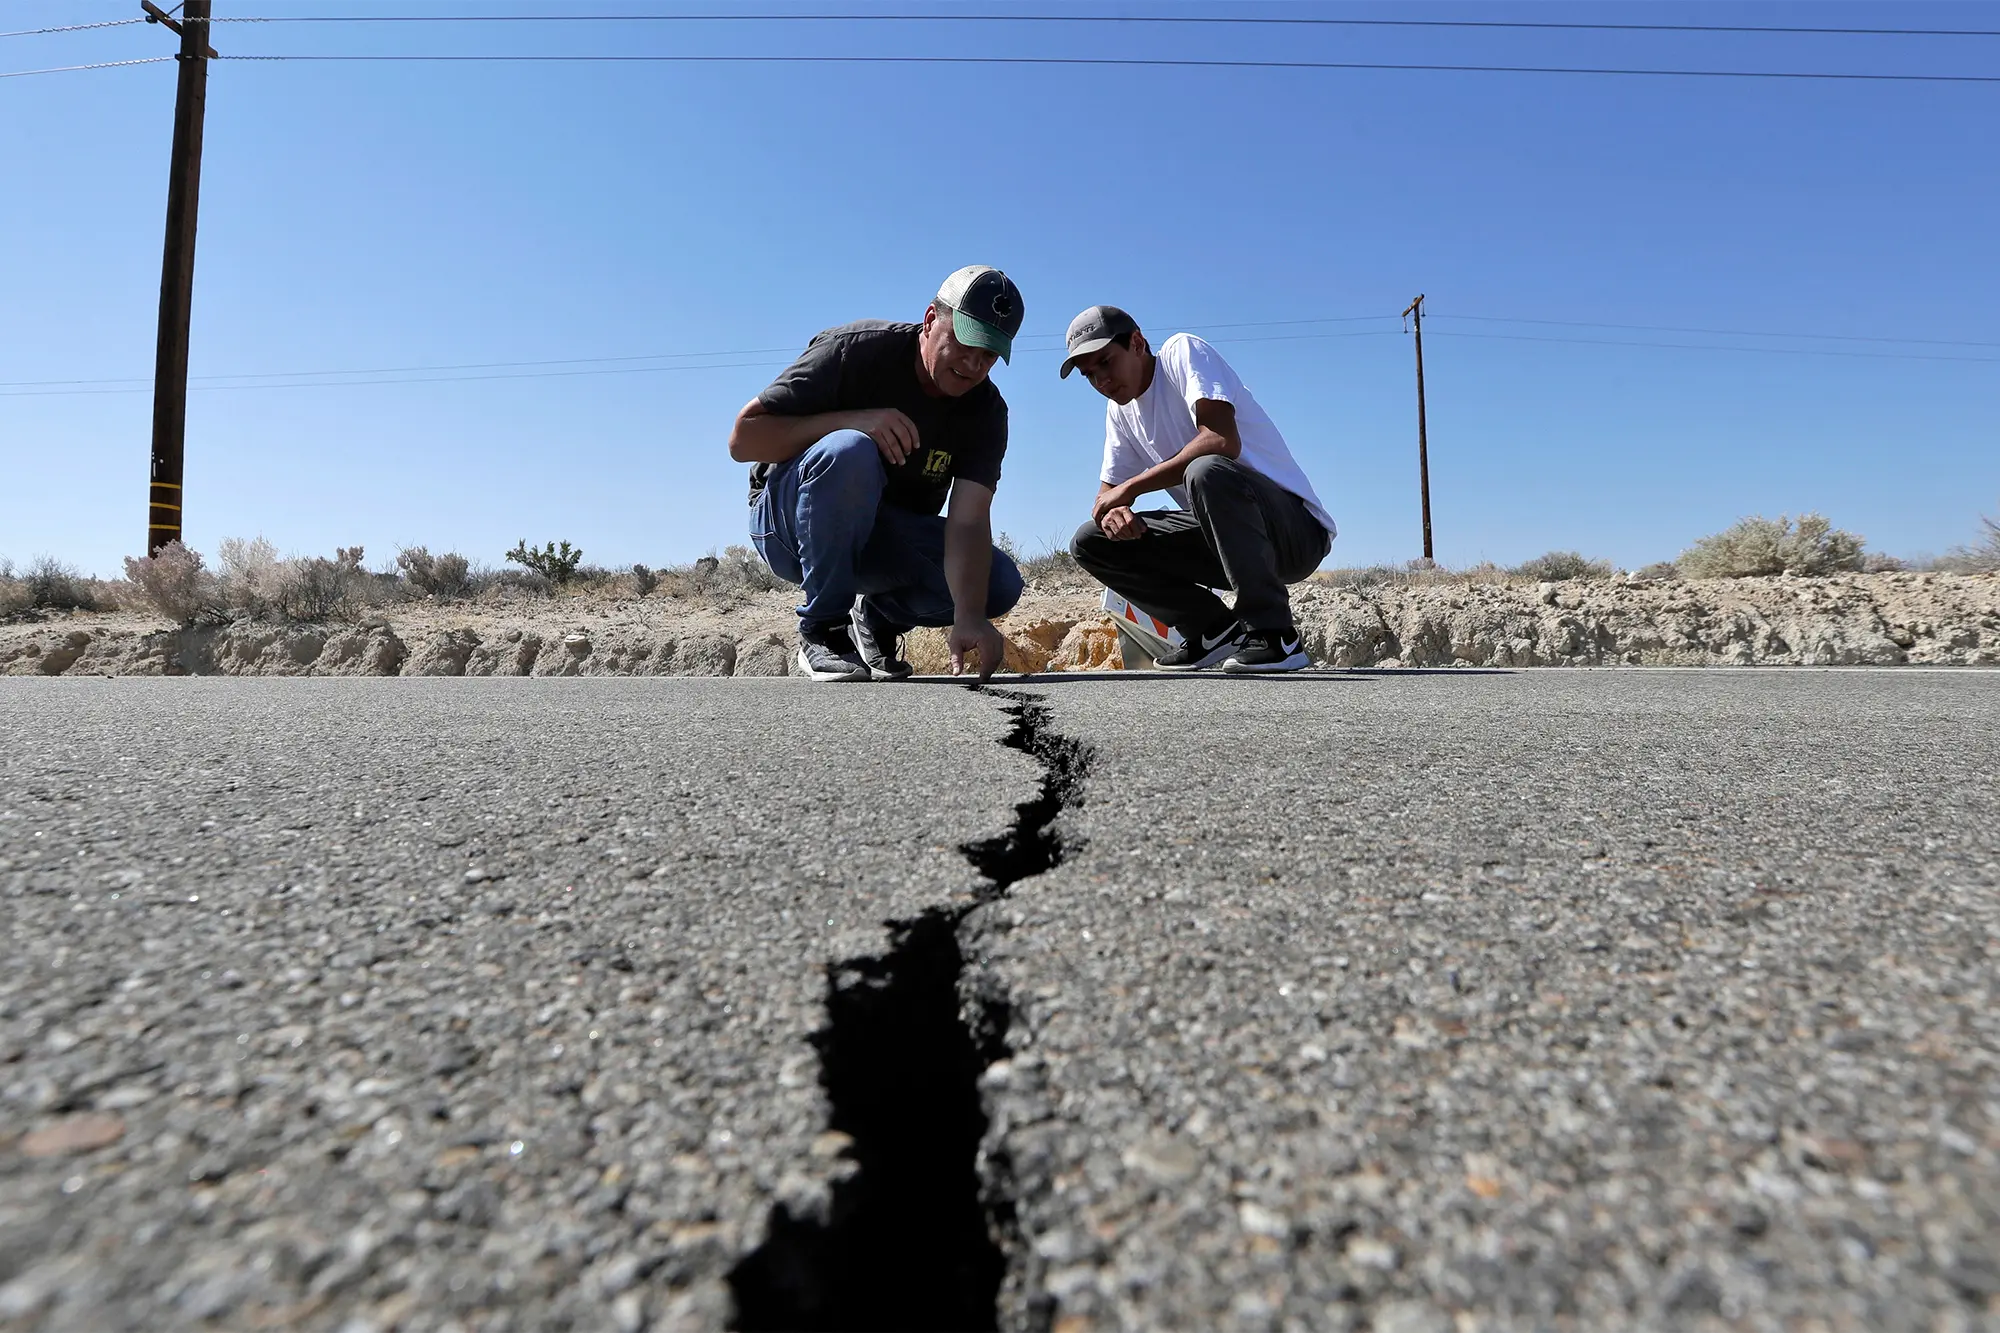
(913,1238)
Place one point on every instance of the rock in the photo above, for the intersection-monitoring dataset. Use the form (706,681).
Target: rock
(1089,646)
(445,653)
(764,655)
(510,654)
(74,1134)
(704,655)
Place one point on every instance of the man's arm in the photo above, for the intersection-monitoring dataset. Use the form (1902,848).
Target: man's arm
(968,564)
(1215,433)
(1120,524)
(762,436)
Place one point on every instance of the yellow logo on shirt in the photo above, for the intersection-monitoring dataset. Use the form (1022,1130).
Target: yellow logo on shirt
(937,464)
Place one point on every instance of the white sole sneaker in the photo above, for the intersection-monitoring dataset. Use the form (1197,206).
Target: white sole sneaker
(1296,660)
(1232,639)
(806,670)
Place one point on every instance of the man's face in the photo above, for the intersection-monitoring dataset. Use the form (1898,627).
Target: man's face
(1119,373)
(950,365)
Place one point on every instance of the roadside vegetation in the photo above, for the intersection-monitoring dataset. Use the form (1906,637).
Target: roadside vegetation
(250,579)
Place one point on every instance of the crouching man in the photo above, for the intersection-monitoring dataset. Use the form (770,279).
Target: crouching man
(857,448)
(1180,421)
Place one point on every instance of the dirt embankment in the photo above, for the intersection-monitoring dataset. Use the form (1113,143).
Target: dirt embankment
(1848,620)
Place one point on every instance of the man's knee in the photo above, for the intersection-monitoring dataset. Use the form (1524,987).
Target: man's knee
(1003,585)
(1213,470)
(1089,544)
(846,459)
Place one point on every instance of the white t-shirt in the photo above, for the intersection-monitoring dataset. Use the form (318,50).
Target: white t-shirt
(1158,424)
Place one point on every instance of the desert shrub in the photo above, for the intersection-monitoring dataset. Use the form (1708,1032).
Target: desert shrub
(1981,557)
(317,589)
(557,566)
(738,571)
(175,583)
(52,585)
(13,592)
(644,580)
(1760,546)
(1054,568)
(447,575)
(1875,562)
(592,576)
(1659,569)
(1558,566)
(251,574)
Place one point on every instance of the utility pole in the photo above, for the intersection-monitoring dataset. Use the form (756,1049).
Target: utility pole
(170,370)
(1416,312)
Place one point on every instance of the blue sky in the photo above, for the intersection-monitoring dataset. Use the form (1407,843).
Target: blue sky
(358,216)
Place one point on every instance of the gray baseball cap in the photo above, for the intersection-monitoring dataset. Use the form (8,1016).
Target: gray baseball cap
(985,307)
(1094,330)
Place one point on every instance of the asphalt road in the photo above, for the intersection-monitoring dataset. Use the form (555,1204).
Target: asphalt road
(1397,1001)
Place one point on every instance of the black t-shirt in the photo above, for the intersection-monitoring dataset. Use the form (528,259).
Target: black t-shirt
(873,363)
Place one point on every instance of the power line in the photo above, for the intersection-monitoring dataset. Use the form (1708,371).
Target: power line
(71,69)
(1726,333)
(1131,62)
(73,27)
(1121,19)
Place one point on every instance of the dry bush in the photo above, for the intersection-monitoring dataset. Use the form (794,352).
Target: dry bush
(509,585)
(251,574)
(737,572)
(13,592)
(1559,566)
(318,589)
(644,580)
(52,585)
(175,584)
(1415,574)
(1659,569)
(1982,557)
(447,575)
(1759,546)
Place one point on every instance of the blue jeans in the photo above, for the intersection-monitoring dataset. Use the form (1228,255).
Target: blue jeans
(821,523)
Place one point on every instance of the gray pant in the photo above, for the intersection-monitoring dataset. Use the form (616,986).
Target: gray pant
(1244,532)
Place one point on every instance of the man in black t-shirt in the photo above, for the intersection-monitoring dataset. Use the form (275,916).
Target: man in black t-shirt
(857,447)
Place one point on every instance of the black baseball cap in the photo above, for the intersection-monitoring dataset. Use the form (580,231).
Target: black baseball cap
(985,308)
(1094,330)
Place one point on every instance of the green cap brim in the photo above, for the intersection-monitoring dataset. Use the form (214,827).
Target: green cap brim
(977,333)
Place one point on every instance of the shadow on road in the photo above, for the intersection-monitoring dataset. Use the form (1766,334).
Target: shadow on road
(1328,676)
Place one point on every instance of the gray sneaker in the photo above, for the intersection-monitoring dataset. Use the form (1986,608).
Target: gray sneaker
(826,653)
(878,642)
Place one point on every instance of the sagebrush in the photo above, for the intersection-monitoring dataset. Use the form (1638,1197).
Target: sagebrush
(1558,566)
(1980,557)
(1758,546)
(175,583)
(447,575)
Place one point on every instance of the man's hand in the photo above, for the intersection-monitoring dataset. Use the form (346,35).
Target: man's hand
(895,435)
(1110,498)
(979,634)
(1121,525)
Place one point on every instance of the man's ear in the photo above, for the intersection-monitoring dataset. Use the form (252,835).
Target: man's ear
(1139,343)
(931,314)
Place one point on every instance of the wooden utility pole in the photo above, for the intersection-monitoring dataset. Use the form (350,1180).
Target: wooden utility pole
(170,370)
(1415,312)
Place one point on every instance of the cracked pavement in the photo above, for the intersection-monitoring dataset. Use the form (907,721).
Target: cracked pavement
(1387,1001)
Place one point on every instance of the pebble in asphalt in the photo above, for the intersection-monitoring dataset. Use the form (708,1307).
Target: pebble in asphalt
(1391,1001)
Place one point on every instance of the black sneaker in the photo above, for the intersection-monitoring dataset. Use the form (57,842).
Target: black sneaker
(878,642)
(827,653)
(1269,650)
(1202,650)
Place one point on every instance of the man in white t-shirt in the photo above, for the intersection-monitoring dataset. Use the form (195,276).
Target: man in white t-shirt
(1180,421)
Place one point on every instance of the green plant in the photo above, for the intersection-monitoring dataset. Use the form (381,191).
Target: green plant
(557,566)
(1760,546)
(1557,566)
